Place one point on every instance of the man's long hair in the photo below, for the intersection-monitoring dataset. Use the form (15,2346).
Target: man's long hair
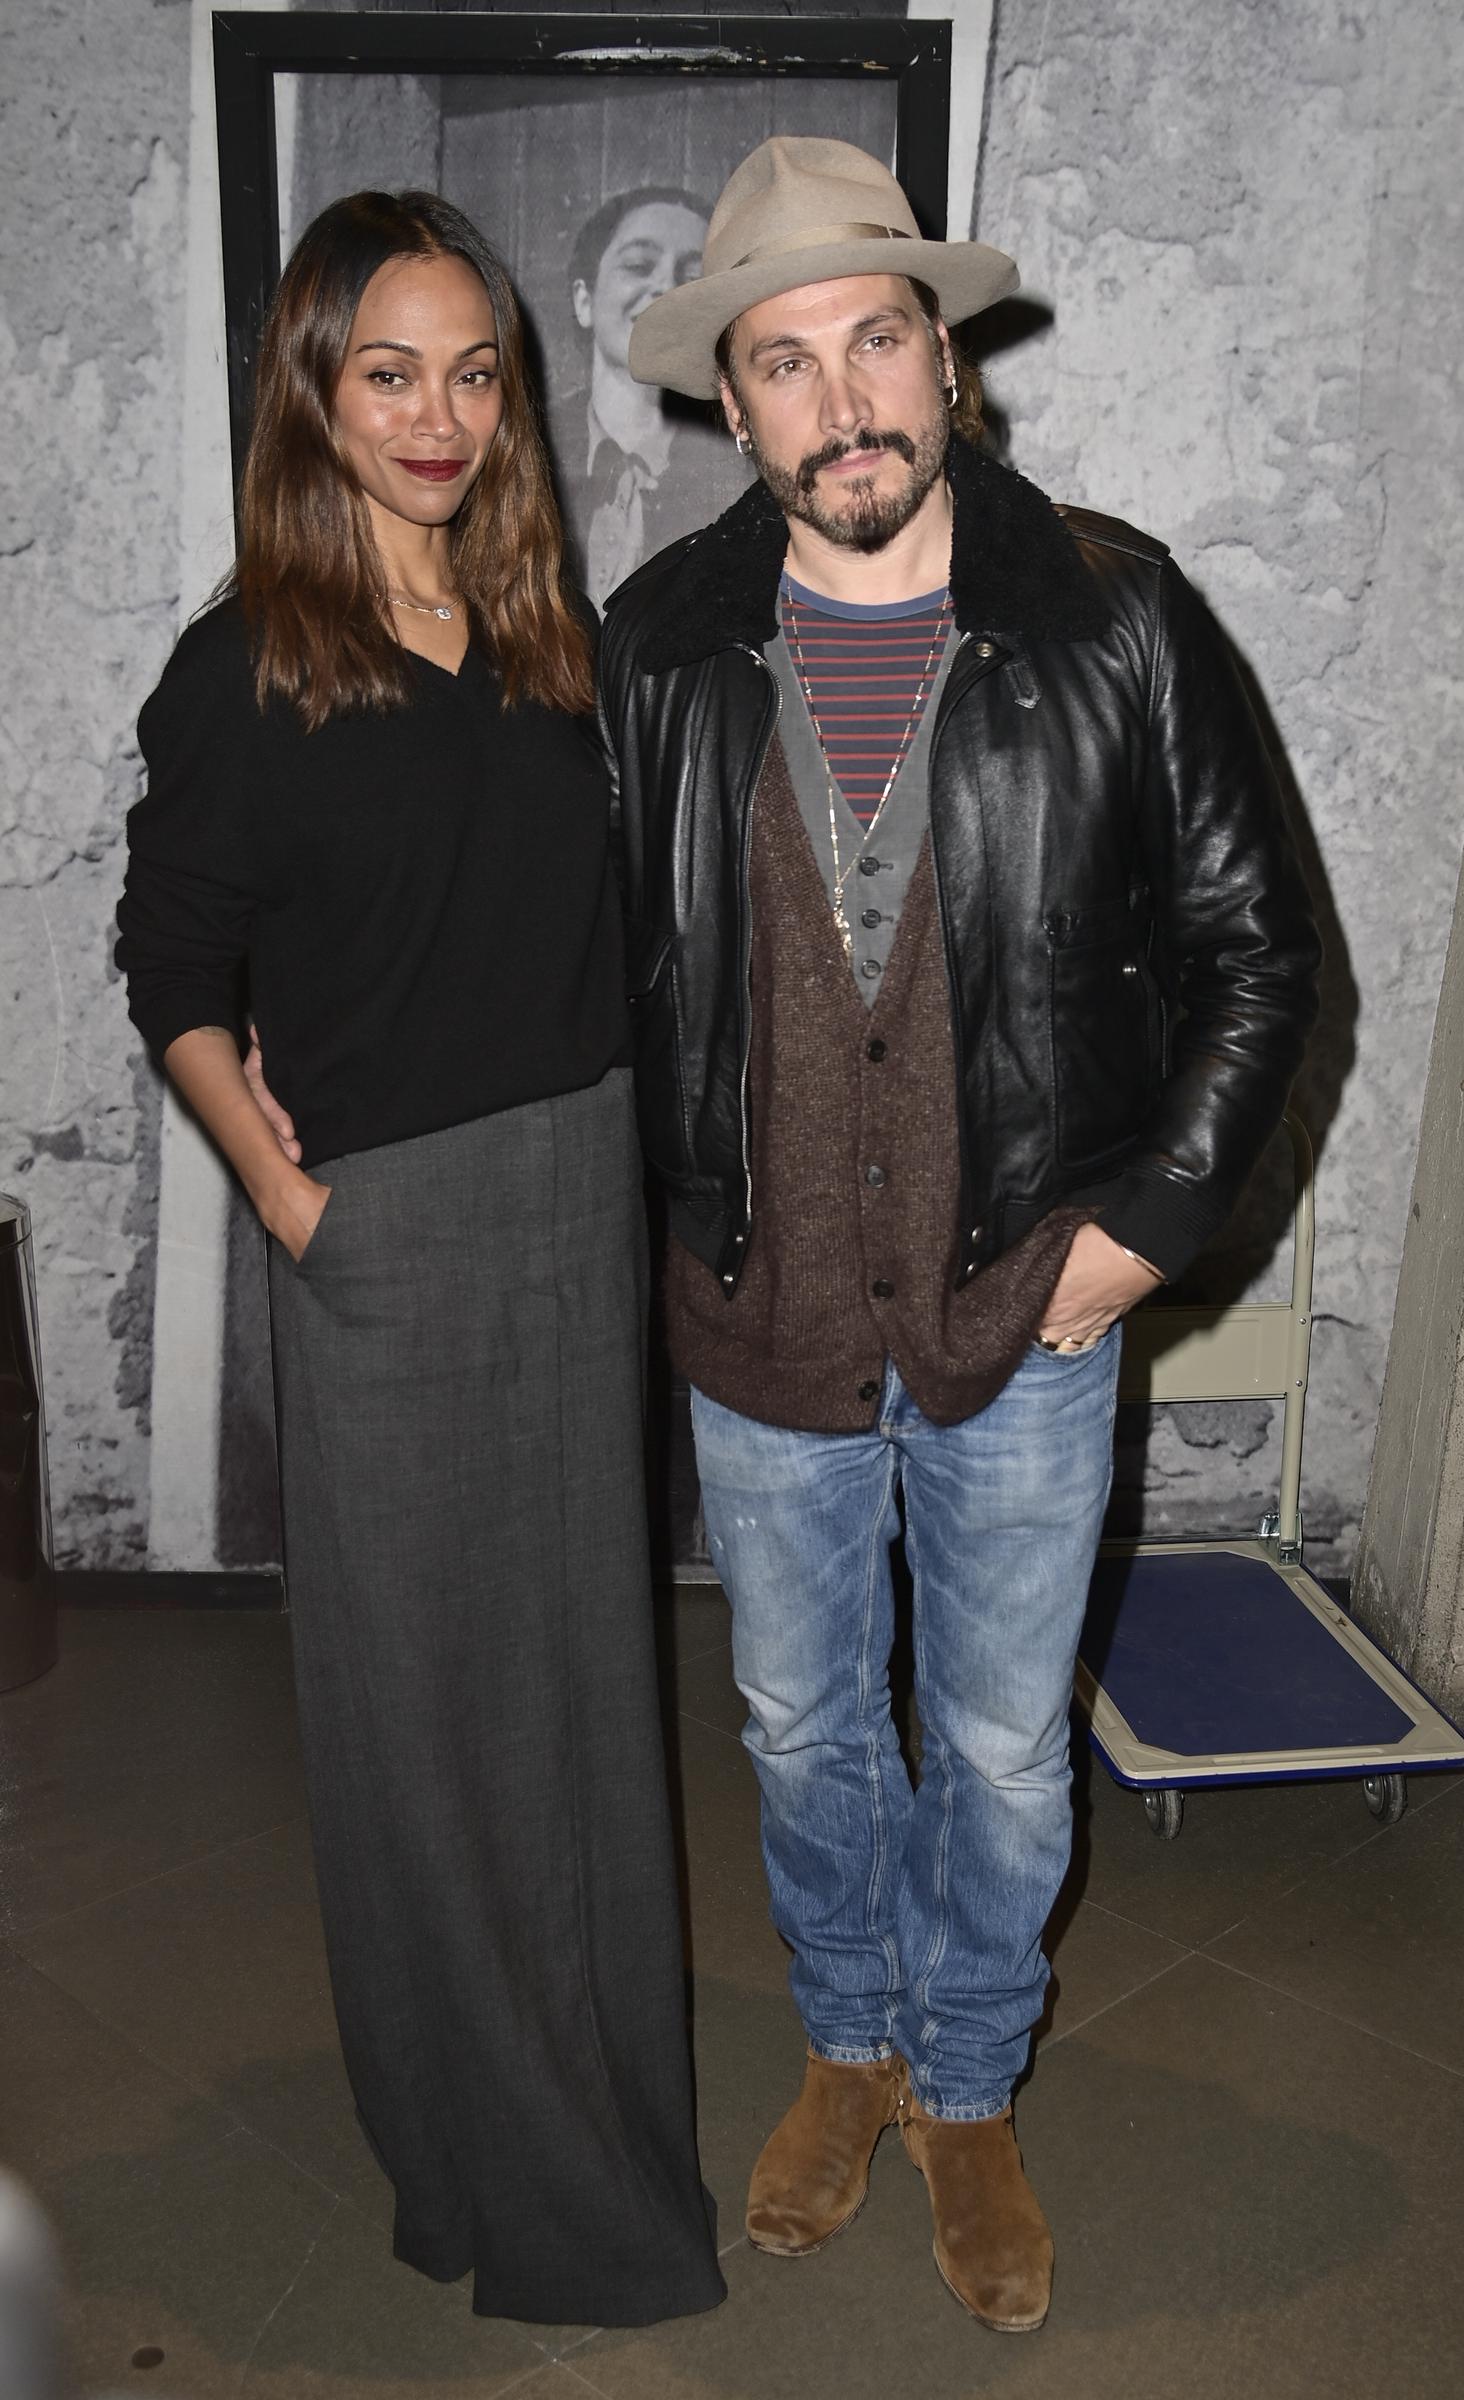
(308,573)
(967,418)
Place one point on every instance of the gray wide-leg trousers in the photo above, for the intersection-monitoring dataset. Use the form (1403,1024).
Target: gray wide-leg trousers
(458,1371)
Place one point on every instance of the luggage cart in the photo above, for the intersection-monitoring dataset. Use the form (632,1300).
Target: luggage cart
(1226,1662)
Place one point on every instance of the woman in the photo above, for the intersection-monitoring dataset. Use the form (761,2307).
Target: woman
(377,816)
(634,476)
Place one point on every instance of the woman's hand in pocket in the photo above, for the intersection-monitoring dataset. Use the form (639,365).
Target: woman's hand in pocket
(204,1064)
(293,1210)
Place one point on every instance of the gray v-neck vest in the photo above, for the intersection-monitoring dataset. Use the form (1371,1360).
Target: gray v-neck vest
(874,893)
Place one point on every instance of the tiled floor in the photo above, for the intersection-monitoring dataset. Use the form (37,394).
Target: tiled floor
(1246,2119)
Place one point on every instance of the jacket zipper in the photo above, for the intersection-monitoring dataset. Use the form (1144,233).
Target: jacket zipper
(968,1233)
(728,1281)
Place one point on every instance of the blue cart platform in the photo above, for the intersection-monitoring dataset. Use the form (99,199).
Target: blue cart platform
(1227,1662)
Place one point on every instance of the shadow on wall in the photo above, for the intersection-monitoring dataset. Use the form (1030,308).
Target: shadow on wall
(1005,327)
(1261,1225)
(1181,1484)
(1253,1252)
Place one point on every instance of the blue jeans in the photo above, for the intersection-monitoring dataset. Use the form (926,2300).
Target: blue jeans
(915,1918)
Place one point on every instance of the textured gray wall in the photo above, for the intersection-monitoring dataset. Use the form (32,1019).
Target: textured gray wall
(94,132)
(1246,222)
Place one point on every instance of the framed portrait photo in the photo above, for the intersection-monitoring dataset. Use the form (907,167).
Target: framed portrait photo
(589,150)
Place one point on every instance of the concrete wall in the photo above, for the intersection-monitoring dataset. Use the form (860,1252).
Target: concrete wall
(94,132)
(1244,224)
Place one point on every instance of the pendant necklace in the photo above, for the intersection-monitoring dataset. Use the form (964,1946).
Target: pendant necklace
(922,690)
(422,608)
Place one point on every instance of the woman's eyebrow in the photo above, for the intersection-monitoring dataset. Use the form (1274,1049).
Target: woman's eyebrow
(407,349)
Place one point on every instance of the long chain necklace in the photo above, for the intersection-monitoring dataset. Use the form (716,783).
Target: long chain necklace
(421,608)
(922,691)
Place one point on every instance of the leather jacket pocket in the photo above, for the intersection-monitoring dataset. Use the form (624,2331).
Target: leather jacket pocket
(1106,1027)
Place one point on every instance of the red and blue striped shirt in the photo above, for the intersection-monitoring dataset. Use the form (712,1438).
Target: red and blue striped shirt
(867,672)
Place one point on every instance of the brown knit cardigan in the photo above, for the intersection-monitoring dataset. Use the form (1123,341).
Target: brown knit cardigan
(855,1177)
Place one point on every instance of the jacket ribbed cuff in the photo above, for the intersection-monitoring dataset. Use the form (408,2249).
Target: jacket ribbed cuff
(1165,1222)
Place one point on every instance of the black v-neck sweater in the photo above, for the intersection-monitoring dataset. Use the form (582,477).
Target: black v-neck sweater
(417,907)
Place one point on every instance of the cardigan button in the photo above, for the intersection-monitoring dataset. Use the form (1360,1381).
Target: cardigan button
(882,1288)
(874,1177)
(877,1050)
(869,1391)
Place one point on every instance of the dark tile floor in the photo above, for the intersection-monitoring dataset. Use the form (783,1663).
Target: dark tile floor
(1246,2119)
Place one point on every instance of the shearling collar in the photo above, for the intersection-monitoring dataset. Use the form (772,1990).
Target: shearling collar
(1015,569)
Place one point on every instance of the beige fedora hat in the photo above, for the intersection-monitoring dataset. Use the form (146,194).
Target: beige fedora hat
(802,210)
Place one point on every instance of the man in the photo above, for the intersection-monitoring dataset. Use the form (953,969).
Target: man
(971,969)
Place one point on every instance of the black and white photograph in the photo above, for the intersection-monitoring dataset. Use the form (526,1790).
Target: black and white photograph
(597,190)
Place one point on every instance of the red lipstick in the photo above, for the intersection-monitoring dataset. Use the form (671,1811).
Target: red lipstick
(433,470)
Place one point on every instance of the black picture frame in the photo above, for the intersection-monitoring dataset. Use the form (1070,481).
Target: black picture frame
(904,70)
(251,48)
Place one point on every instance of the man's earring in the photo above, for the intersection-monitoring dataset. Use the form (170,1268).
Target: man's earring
(744,446)
(952,392)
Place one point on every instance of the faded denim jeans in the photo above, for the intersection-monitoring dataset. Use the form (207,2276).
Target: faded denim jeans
(915,1918)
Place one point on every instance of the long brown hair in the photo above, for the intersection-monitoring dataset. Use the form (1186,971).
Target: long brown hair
(308,571)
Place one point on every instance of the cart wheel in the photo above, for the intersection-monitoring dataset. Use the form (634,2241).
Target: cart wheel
(1165,1812)
(1386,1796)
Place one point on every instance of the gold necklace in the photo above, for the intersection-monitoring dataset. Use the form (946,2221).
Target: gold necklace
(842,875)
(421,608)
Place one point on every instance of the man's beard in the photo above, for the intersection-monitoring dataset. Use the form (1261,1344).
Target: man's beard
(869,520)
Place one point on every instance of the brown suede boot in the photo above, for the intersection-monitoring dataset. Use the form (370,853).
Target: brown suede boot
(813,2176)
(992,2242)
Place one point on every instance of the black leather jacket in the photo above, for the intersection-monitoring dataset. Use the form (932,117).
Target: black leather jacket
(1132,962)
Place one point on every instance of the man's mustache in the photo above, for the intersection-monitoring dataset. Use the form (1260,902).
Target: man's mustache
(832,452)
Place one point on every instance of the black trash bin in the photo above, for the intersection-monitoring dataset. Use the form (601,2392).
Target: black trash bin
(27,1590)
